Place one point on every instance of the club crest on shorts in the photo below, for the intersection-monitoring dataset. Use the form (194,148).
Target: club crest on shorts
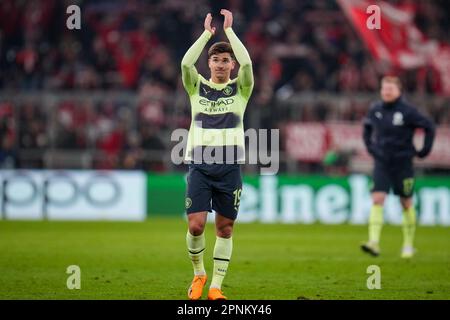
(188,203)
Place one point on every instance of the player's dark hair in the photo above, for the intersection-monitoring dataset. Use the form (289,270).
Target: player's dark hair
(220,47)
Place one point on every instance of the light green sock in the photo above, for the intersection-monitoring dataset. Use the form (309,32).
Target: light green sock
(409,226)
(375,223)
(222,255)
(196,247)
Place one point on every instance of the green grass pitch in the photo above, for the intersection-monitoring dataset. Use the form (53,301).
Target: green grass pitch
(121,260)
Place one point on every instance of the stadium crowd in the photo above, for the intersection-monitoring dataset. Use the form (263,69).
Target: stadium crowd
(136,47)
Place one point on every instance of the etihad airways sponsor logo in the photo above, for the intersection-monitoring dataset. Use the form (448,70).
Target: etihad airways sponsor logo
(218,103)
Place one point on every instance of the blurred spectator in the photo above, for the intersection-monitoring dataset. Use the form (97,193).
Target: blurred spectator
(32,127)
(8,153)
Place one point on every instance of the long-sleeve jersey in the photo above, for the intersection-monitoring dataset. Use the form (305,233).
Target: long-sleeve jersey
(217,109)
(389,130)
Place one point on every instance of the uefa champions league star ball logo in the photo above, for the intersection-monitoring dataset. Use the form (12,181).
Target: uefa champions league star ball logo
(228,90)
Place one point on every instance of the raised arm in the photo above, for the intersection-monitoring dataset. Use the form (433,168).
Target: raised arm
(188,71)
(245,75)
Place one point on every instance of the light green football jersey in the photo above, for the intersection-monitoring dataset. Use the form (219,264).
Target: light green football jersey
(217,122)
(216,133)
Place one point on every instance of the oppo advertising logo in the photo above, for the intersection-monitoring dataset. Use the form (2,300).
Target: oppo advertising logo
(76,195)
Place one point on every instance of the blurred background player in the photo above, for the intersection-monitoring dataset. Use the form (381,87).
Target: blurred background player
(214,181)
(388,135)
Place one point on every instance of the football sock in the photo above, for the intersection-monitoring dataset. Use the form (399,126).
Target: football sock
(222,255)
(409,226)
(375,223)
(196,247)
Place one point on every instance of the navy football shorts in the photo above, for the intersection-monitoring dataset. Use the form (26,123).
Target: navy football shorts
(214,186)
(399,177)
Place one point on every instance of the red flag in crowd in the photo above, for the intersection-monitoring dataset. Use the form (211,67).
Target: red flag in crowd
(399,42)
